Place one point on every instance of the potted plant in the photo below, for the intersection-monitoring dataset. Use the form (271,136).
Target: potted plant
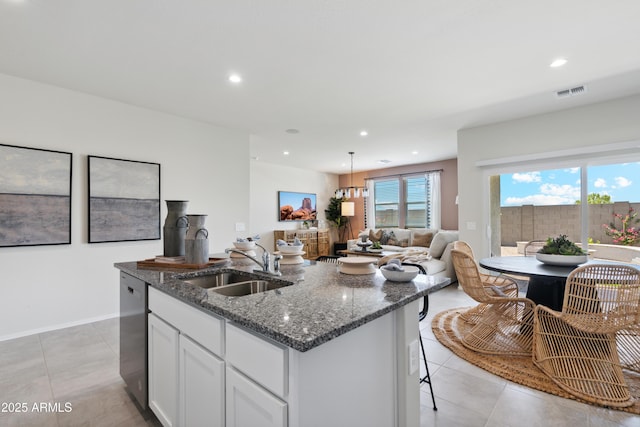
(333,214)
(561,251)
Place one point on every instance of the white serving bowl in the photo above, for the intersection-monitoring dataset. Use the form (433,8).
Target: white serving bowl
(409,273)
(561,260)
(290,249)
(245,246)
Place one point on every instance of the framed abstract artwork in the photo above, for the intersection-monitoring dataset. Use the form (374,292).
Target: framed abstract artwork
(35,196)
(124,200)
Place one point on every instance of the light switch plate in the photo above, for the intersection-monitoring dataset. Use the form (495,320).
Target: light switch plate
(240,226)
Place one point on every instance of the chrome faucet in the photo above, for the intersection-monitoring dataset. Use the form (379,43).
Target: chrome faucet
(265,265)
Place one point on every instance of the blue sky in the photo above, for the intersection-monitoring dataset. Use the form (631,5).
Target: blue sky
(562,186)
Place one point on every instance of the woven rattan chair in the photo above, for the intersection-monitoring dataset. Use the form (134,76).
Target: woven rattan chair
(577,347)
(331,259)
(503,284)
(504,324)
(628,343)
(533,246)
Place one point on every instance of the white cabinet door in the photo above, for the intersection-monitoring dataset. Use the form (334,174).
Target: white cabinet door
(249,405)
(201,390)
(163,370)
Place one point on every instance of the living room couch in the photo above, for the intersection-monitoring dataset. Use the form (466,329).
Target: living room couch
(428,247)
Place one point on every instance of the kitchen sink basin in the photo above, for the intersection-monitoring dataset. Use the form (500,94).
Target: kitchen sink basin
(247,288)
(216,280)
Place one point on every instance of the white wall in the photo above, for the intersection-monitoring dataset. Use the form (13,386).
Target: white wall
(47,287)
(576,130)
(267,180)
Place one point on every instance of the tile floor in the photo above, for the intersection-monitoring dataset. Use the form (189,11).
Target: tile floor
(79,366)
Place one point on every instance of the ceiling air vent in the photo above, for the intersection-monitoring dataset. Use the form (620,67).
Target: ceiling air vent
(578,90)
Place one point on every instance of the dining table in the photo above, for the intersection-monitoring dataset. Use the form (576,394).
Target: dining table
(546,282)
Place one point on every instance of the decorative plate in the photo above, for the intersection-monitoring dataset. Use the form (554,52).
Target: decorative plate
(561,260)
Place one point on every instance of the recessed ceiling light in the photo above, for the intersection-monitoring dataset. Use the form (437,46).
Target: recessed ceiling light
(292,131)
(364,133)
(558,63)
(235,78)
(286,153)
(384,161)
(414,152)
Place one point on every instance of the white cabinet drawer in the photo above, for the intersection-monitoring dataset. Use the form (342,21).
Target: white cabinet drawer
(266,362)
(204,328)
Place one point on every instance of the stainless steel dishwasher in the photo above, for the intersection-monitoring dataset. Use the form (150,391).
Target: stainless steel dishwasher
(133,336)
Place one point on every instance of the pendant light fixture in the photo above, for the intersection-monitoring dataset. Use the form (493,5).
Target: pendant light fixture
(348,207)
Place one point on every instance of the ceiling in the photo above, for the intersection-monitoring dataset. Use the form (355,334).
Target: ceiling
(410,72)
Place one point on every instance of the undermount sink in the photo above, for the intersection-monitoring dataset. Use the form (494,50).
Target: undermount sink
(216,280)
(232,283)
(248,288)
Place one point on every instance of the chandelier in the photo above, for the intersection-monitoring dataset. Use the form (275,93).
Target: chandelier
(347,208)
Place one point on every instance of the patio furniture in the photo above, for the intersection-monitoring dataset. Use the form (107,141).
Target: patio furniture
(533,246)
(500,283)
(577,347)
(504,324)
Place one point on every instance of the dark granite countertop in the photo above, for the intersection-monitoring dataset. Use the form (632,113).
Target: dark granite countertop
(320,305)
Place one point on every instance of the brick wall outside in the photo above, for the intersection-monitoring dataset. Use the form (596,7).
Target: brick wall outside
(528,222)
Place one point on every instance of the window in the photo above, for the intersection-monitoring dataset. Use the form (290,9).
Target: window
(386,194)
(577,200)
(417,194)
(407,201)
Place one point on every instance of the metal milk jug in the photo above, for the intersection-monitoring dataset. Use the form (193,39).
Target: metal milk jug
(196,243)
(175,227)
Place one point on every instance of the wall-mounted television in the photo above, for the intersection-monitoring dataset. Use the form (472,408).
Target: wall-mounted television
(296,206)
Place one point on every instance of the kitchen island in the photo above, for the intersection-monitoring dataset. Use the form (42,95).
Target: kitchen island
(329,349)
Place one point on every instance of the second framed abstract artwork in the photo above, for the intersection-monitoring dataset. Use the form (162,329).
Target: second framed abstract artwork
(124,200)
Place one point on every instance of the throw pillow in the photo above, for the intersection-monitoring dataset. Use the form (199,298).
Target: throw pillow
(422,239)
(403,243)
(385,237)
(392,239)
(440,242)
(375,236)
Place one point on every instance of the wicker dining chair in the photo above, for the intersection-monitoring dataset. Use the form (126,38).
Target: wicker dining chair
(500,284)
(577,347)
(533,246)
(504,324)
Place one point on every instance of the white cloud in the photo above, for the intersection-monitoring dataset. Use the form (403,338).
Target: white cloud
(622,181)
(600,183)
(550,194)
(573,170)
(527,177)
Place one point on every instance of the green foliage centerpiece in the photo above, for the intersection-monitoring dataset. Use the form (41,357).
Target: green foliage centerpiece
(562,252)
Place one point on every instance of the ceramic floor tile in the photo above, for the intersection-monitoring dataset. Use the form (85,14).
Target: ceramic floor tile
(108,405)
(466,391)
(21,359)
(29,419)
(448,414)
(85,377)
(60,360)
(513,407)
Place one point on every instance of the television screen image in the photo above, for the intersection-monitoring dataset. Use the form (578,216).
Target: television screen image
(297,206)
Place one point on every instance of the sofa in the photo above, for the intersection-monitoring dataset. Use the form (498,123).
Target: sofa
(428,247)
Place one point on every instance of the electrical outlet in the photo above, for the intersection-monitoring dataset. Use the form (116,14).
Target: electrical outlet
(414,357)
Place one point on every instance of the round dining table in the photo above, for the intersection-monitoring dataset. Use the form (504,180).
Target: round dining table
(546,282)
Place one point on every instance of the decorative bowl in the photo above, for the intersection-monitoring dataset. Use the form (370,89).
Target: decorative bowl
(409,273)
(561,260)
(244,246)
(289,249)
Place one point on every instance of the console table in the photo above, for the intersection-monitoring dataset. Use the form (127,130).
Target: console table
(316,242)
